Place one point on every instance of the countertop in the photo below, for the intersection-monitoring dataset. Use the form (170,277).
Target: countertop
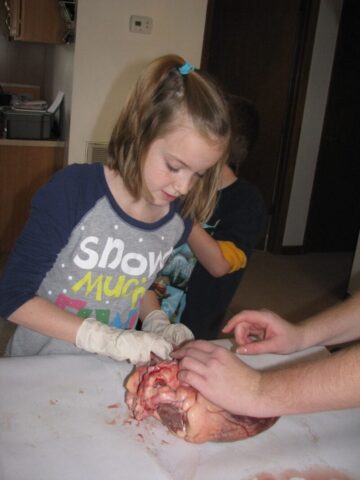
(64,417)
(8,142)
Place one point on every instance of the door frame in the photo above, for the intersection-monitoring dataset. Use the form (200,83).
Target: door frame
(292,124)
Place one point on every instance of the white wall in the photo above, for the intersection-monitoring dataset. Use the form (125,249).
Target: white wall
(108,57)
(314,111)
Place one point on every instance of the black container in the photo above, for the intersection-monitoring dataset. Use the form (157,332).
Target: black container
(5,99)
(28,125)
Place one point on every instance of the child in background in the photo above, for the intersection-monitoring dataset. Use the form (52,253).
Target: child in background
(97,235)
(203,292)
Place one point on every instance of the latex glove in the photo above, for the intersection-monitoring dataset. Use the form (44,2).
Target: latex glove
(158,322)
(95,337)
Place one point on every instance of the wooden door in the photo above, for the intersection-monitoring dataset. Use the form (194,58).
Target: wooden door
(259,49)
(334,214)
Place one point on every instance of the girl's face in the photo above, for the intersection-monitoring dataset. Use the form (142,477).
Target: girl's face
(175,161)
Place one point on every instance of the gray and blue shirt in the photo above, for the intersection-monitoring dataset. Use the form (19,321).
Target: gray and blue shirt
(82,252)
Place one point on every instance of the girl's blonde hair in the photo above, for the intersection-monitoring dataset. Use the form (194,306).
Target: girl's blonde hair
(158,97)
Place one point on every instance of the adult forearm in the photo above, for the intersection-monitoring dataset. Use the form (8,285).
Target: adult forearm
(330,383)
(339,324)
(46,318)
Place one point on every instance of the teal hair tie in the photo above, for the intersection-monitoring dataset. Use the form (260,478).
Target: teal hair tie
(186,68)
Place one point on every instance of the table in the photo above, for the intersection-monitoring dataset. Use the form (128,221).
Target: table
(64,417)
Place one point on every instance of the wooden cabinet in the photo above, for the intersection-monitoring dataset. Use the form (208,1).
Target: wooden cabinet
(24,167)
(35,21)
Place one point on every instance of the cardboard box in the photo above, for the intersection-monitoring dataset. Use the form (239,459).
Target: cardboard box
(30,91)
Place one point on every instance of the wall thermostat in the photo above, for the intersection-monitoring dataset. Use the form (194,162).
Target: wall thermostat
(140,24)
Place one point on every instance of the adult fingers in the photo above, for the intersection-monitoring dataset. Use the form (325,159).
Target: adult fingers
(247,316)
(256,348)
(193,358)
(189,377)
(200,345)
(245,333)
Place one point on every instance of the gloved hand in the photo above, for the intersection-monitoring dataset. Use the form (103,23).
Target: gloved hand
(95,337)
(158,322)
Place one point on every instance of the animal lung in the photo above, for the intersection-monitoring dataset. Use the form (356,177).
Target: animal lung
(154,390)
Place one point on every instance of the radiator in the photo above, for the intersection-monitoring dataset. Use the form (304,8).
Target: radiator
(96,152)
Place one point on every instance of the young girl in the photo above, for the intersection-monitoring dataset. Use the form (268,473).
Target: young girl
(79,274)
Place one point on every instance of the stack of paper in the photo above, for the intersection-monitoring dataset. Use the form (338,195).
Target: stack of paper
(32,105)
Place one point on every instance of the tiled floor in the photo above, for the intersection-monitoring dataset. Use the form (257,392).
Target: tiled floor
(294,286)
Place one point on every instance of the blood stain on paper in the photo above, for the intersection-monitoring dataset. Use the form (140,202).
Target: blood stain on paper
(6,423)
(313,436)
(53,402)
(114,405)
(313,473)
(114,420)
(152,451)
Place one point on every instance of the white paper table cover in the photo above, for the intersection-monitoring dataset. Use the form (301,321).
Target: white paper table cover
(64,417)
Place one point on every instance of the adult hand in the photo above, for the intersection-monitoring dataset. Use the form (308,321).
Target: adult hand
(158,322)
(264,332)
(132,345)
(219,376)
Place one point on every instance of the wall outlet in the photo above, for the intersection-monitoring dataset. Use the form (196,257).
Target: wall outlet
(140,24)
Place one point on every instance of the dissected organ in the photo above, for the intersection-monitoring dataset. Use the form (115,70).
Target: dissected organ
(154,390)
